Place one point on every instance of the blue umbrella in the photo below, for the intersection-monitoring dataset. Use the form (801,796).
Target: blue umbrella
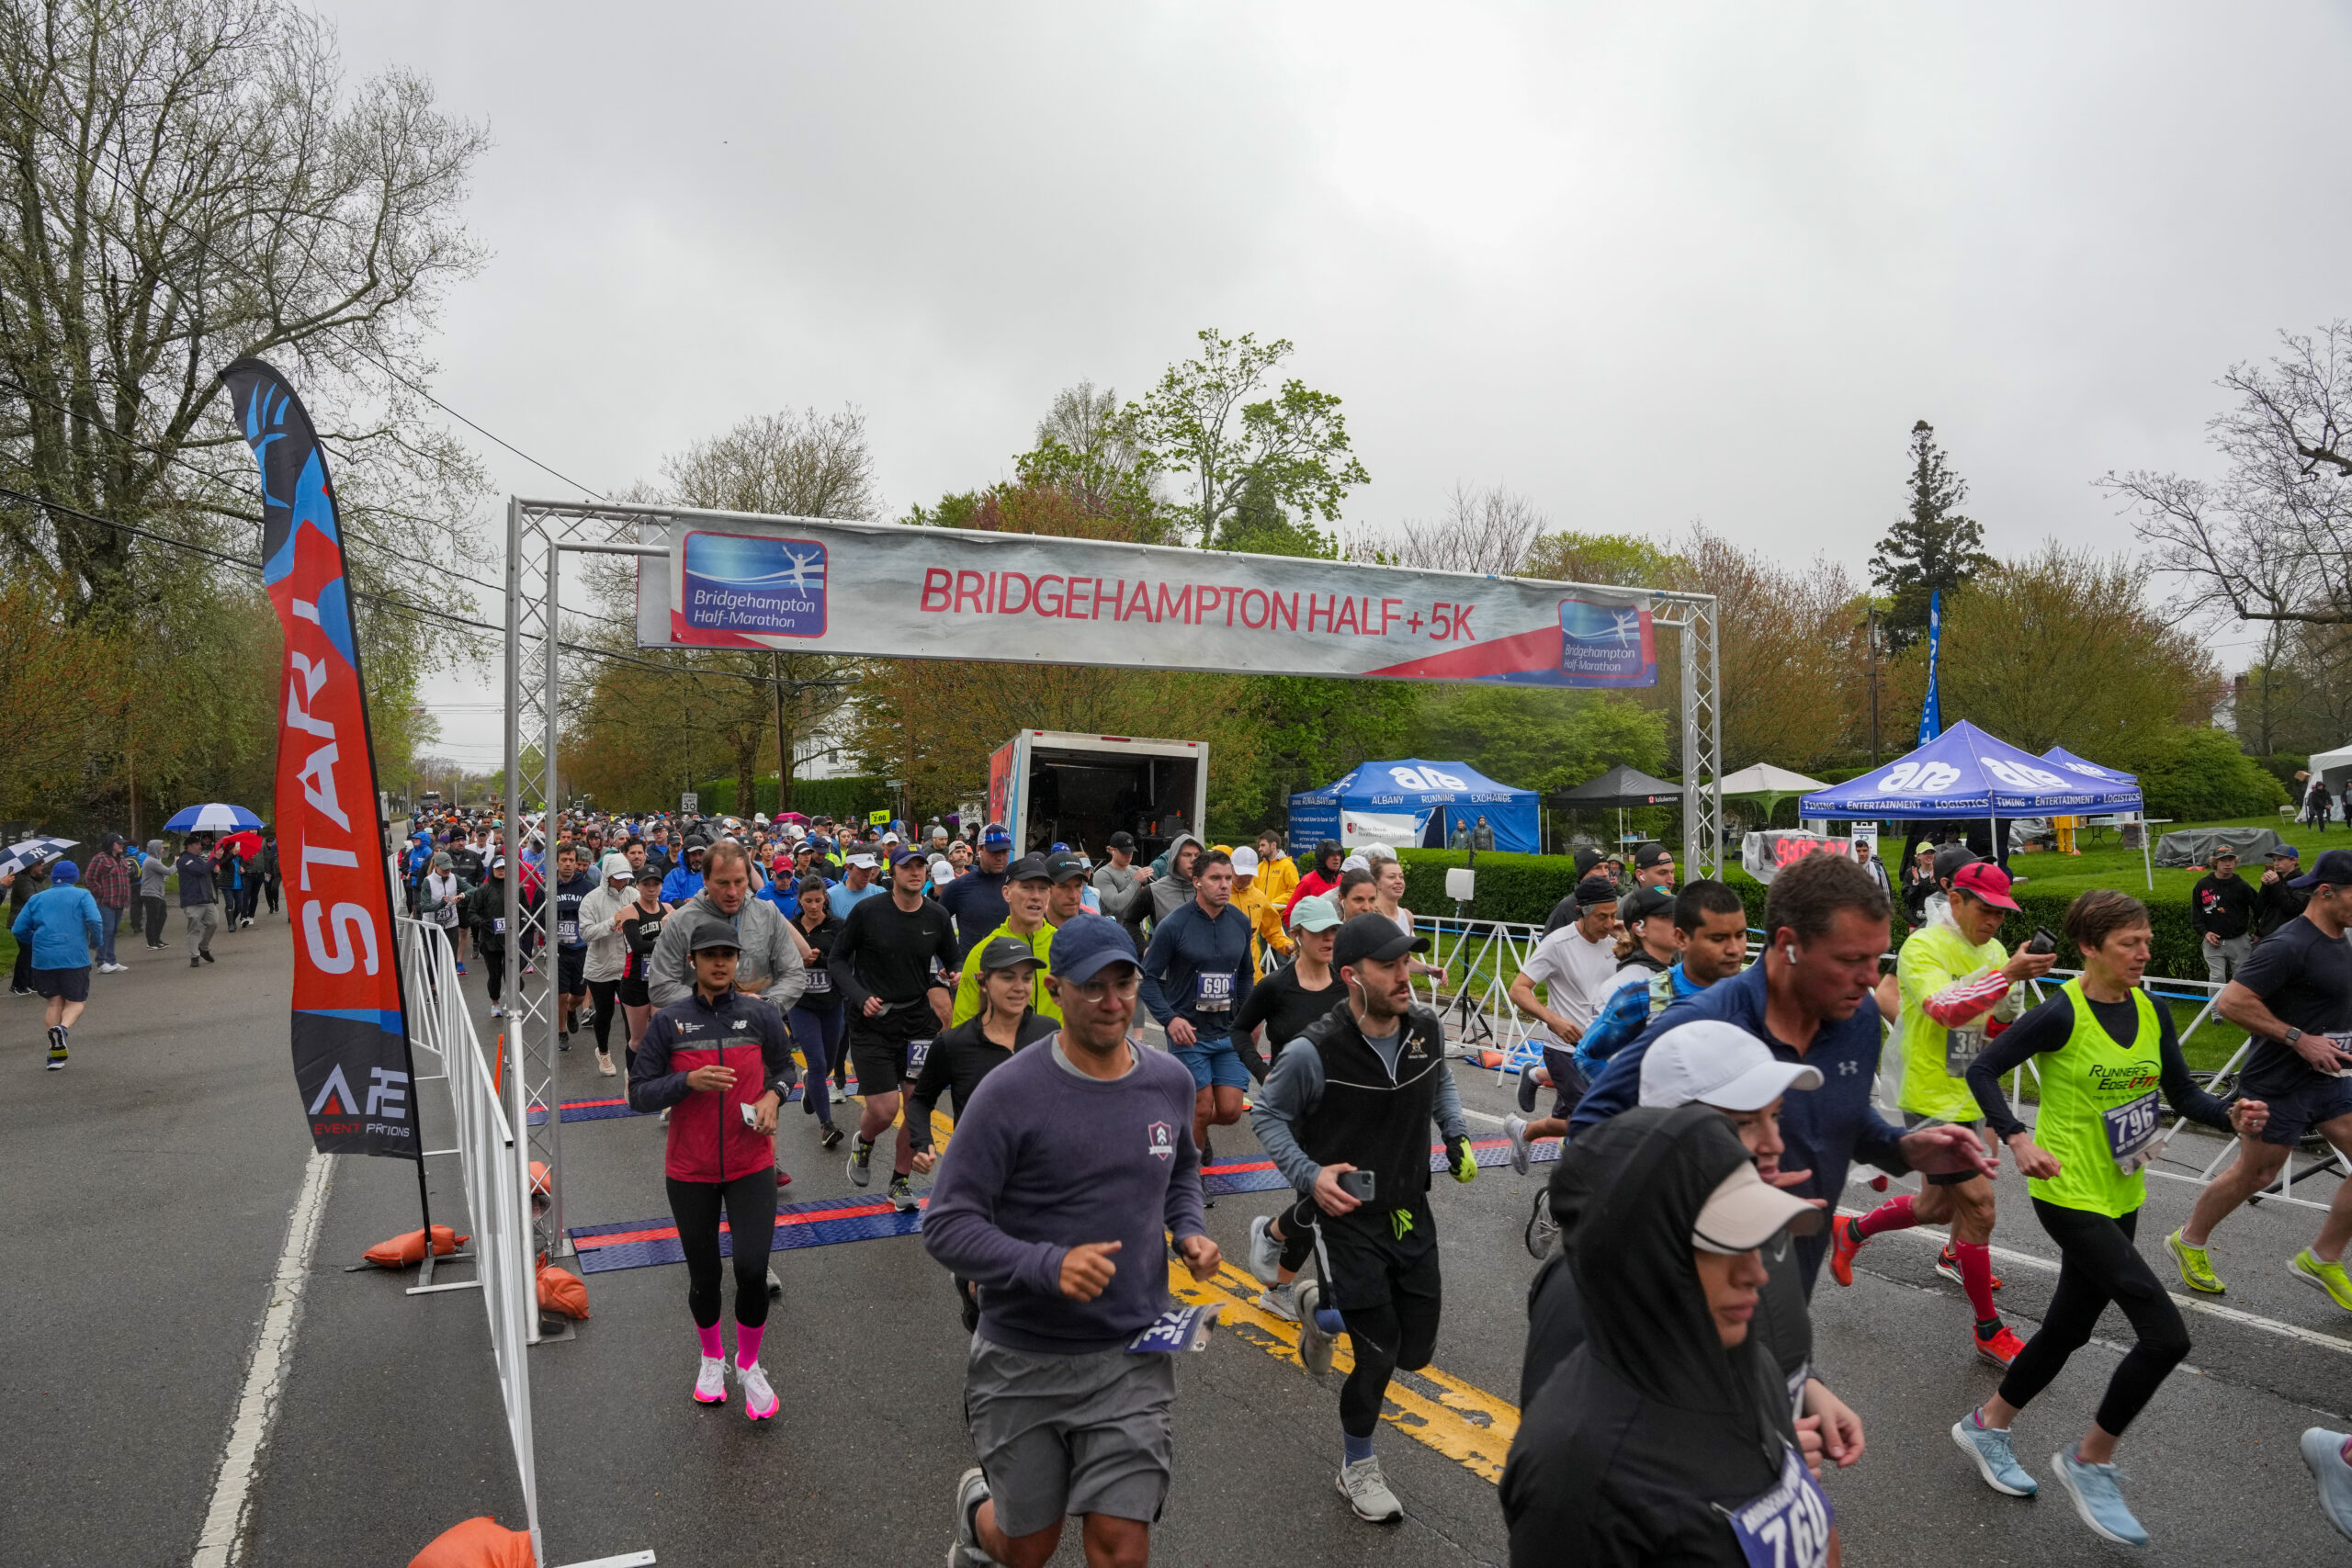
(32,851)
(212,818)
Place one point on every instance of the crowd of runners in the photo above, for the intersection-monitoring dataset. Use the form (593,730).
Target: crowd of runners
(1085,1026)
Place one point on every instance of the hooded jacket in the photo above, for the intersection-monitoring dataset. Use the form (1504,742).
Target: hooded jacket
(153,870)
(1626,1451)
(1171,892)
(770,955)
(708,1139)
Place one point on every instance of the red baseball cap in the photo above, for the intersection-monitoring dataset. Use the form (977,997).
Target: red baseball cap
(1987,881)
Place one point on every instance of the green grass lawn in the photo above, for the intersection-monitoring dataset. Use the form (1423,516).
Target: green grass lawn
(2104,863)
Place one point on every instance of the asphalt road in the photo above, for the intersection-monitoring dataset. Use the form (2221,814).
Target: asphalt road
(152,1183)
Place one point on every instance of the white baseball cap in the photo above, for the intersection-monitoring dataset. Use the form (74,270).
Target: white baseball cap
(1355,863)
(864,859)
(1245,862)
(1718,1064)
(1745,1212)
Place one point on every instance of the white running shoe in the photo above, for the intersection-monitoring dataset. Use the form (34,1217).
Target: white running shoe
(1314,1345)
(1265,1252)
(1515,1130)
(759,1399)
(605,1063)
(1280,1301)
(1367,1492)
(710,1381)
(971,1490)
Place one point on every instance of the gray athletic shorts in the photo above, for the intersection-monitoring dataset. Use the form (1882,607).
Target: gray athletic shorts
(1060,1434)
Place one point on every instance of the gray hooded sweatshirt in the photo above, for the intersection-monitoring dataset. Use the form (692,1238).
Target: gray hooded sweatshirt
(1172,892)
(154,869)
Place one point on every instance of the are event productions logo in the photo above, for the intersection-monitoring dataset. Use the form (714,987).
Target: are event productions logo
(754,585)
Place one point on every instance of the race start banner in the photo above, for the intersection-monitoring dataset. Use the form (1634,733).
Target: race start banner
(915,593)
(351,1047)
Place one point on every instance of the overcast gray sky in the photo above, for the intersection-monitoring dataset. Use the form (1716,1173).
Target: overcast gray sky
(1647,265)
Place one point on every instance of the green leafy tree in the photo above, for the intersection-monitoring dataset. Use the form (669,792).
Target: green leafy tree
(1207,422)
(1932,548)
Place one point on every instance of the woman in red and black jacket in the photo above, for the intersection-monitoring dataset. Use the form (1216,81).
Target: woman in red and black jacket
(720,1063)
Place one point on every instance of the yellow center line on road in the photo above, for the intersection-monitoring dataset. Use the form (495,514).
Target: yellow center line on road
(1458,1419)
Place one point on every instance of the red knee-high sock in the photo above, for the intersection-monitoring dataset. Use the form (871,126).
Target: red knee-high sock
(1894,1214)
(1976,1278)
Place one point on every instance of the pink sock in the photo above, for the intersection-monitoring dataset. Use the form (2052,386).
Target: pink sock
(1894,1214)
(711,1344)
(1976,1278)
(747,1343)
(2344,1452)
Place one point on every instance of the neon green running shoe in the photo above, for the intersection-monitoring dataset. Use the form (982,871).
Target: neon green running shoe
(2328,1277)
(2196,1267)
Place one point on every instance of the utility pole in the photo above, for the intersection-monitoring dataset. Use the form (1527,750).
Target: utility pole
(1870,625)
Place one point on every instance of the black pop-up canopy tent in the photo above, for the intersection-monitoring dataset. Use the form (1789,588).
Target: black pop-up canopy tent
(1621,787)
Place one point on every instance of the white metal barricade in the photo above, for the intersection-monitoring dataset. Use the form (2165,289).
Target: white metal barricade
(497,1183)
(1479,1014)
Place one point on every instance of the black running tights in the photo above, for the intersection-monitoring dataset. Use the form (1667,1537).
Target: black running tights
(751,1225)
(2097,1264)
(1382,1339)
(1298,1234)
(600,996)
(493,969)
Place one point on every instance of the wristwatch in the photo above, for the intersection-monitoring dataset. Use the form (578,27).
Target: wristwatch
(2288,1039)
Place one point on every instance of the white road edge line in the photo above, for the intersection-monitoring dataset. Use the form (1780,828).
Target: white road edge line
(2210,1309)
(217,1544)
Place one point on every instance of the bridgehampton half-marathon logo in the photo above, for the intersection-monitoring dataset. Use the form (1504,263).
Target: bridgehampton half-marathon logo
(758,585)
(1606,643)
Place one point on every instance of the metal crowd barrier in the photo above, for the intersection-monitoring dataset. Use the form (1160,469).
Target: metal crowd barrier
(497,1182)
(1480,1018)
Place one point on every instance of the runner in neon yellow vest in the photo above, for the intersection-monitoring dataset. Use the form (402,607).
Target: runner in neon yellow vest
(1958,981)
(2104,1050)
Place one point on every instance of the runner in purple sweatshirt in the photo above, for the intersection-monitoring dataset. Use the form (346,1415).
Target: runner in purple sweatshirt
(1069,1166)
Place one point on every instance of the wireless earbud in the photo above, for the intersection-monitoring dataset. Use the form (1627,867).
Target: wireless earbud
(1789,951)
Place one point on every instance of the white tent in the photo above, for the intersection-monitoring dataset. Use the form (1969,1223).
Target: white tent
(1765,779)
(2335,766)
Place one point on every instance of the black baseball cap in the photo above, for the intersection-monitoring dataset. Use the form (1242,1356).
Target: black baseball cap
(1122,839)
(1585,859)
(1064,866)
(1951,858)
(1006,953)
(1375,937)
(713,931)
(1028,868)
(1648,856)
(1646,903)
(2334,868)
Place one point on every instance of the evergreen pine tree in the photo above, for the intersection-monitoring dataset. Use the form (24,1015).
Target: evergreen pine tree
(1933,548)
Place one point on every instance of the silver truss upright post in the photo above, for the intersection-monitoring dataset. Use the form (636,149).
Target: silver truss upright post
(538,534)
(1693,615)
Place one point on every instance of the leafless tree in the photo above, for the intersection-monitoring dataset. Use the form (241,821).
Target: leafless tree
(183,182)
(2272,539)
(782,465)
(1488,530)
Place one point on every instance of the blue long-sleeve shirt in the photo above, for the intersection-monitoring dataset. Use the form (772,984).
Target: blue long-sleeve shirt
(1825,1129)
(61,926)
(1193,960)
(679,884)
(1045,1158)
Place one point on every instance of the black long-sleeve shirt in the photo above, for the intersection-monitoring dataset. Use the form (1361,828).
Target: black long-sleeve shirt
(2051,1025)
(1285,1007)
(960,1057)
(884,951)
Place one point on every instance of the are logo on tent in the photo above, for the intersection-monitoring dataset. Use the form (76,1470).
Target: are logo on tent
(1427,778)
(1927,778)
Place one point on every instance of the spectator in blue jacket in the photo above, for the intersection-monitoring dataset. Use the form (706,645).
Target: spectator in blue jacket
(684,879)
(61,926)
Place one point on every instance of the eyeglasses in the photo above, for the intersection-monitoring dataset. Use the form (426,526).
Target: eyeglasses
(1100,990)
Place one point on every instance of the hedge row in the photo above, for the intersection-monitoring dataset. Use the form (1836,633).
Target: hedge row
(852,796)
(1526,887)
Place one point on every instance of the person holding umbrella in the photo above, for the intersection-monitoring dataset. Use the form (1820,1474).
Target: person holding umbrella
(59,927)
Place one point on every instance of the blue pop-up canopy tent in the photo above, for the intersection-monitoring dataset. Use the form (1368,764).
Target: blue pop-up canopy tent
(1415,802)
(1964,773)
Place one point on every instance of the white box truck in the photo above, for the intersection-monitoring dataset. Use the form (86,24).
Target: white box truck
(1049,786)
